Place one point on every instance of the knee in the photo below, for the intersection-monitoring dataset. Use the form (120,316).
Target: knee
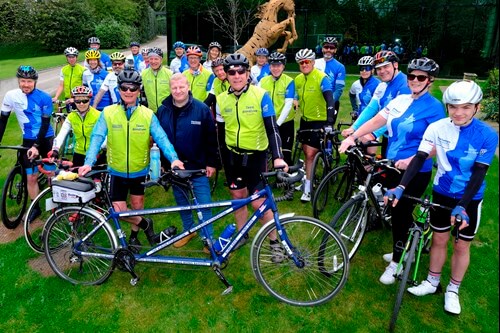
(440,239)
(461,248)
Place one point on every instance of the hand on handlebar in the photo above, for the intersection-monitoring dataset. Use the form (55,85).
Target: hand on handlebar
(460,211)
(177,164)
(394,193)
(348,131)
(83,170)
(53,155)
(346,143)
(280,163)
(32,153)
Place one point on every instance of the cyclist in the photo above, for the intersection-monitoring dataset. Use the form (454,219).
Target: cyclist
(261,68)
(465,147)
(128,127)
(367,83)
(190,127)
(71,74)
(94,76)
(407,116)
(251,129)
(144,53)
(214,52)
(81,122)
(179,64)
(281,87)
(333,68)
(95,44)
(110,83)
(136,57)
(199,78)
(33,109)
(313,89)
(156,79)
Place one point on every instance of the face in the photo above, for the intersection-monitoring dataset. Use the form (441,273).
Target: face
(179,51)
(82,107)
(127,94)
(117,66)
(219,72)
(71,60)
(306,66)
(179,89)
(261,60)
(238,77)
(155,62)
(386,72)
(277,69)
(365,72)
(93,63)
(329,50)
(194,62)
(27,85)
(145,57)
(416,85)
(462,114)
(214,53)
(94,46)
(134,50)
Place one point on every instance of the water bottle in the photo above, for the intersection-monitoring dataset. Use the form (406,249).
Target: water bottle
(155,162)
(377,191)
(224,238)
(328,148)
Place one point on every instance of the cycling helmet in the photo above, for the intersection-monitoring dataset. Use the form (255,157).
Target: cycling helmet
(135,44)
(129,76)
(305,54)
(218,62)
(425,65)
(81,91)
(193,50)
(365,61)
(262,52)
(383,58)
(117,56)
(92,54)
(330,40)
(157,51)
(27,72)
(215,44)
(462,92)
(179,44)
(236,59)
(145,50)
(94,40)
(71,51)
(277,58)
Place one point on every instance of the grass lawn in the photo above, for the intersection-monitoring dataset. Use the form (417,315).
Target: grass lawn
(173,299)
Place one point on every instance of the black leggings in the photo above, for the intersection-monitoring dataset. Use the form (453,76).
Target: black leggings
(287,133)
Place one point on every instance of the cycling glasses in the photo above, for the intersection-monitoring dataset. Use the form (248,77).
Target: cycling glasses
(240,71)
(305,62)
(420,78)
(82,101)
(129,88)
(366,68)
(118,63)
(329,47)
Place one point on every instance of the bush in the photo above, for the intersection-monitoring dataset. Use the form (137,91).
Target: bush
(115,35)
(490,101)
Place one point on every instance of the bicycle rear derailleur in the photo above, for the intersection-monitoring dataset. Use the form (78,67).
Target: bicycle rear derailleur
(124,260)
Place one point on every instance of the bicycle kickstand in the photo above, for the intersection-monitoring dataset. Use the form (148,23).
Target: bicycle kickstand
(229,287)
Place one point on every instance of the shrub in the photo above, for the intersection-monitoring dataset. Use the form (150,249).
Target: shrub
(113,34)
(490,101)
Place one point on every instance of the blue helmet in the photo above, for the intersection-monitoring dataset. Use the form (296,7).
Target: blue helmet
(179,44)
(262,52)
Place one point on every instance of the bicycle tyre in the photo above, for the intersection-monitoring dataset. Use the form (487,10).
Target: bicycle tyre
(318,171)
(311,284)
(350,223)
(14,198)
(213,181)
(62,235)
(404,279)
(333,191)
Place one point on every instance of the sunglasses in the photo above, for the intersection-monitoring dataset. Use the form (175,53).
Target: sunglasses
(131,89)
(420,78)
(329,47)
(366,68)
(305,62)
(240,71)
(380,60)
(82,101)
(117,64)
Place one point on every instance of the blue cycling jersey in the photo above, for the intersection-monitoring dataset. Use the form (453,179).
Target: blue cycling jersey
(94,82)
(457,149)
(29,109)
(336,72)
(257,72)
(106,60)
(367,92)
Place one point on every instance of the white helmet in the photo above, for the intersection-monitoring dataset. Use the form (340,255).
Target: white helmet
(365,61)
(305,54)
(462,92)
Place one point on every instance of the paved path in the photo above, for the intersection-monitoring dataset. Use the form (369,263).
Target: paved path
(49,78)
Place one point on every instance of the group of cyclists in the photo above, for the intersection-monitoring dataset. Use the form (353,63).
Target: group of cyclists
(226,112)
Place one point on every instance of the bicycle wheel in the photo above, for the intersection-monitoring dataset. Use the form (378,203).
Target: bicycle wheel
(333,191)
(63,244)
(318,171)
(213,181)
(14,198)
(321,276)
(33,231)
(350,223)
(404,279)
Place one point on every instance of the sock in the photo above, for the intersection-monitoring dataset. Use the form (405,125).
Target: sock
(434,278)
(133,234)
(453,286)
(307,186)
(144,224)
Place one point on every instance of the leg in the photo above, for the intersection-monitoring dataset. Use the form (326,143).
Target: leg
(460,259)
(241,215)
(33,189)
(202,193)
(186,215)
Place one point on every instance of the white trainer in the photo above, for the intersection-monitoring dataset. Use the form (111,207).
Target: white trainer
(389,274)
(388,257)
(306,197)
(452,303)
(424,288)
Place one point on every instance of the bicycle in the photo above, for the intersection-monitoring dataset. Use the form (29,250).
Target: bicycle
(351,219)
(419,238)
(86,250)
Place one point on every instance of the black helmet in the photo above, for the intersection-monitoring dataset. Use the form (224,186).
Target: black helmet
(129,76)
(277,58)
(215,44)
(135,44)
(385,57)
(94,40)
(218,62)
(157,51)
(27,72)
(330,40)
(236,59)
(425,65)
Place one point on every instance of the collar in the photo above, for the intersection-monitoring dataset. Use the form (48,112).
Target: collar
(244,90)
